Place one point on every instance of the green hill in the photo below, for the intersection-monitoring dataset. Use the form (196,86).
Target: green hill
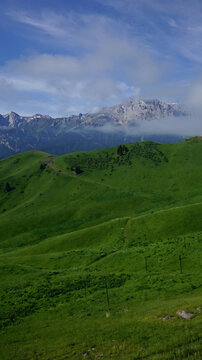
(96,248)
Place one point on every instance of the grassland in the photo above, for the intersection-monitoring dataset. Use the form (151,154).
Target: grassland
(96,248)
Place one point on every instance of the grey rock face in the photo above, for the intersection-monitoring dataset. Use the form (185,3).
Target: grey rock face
(184,314)
(139,109)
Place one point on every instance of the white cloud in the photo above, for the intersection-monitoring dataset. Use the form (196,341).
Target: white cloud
(194,96)
(111,59)
(8,91)
(183,17)
(47,22)
(111,66)
(172,23)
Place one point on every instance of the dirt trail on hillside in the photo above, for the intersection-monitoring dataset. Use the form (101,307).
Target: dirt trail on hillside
(128,220)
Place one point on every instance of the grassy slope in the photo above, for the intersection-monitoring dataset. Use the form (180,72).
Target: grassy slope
(64,236)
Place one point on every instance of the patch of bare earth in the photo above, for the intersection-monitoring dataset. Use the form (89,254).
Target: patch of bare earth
(49,159)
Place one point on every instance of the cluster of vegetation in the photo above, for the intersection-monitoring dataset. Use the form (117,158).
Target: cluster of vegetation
(124,155)
(19,303)
(150,151)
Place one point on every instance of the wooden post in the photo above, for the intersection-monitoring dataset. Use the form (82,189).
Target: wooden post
(180,260)
(85,288)
(146,268)
(107,293)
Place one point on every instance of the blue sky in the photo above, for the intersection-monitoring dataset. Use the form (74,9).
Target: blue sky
(63,57)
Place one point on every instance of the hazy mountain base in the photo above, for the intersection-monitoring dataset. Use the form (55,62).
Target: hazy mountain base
(14,141)
(117,228)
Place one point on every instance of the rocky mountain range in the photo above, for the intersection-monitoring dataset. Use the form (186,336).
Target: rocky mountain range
(83,131)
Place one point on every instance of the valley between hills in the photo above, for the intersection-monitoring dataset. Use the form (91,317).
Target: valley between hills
(100,251)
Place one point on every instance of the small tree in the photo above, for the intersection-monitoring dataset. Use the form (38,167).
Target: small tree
(124,149)
(119,150)
(78,170)
(42,167)
(7,188)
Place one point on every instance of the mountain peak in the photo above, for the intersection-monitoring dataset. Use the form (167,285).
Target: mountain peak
(136,108)
(12,113)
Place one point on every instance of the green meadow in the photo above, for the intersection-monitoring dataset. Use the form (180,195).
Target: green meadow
(98,252)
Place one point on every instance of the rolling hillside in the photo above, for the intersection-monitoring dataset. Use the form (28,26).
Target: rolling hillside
(99,250)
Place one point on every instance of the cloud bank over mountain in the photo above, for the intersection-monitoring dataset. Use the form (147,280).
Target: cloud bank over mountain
(182,126)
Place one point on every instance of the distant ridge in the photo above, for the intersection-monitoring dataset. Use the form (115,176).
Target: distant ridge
(123,114)
(66,134)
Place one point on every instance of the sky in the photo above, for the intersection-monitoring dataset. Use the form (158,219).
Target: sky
(67,57)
